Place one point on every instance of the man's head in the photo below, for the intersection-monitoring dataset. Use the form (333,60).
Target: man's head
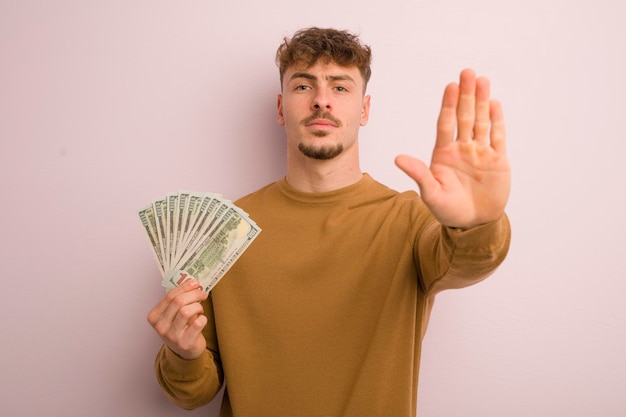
(308,46)
(322,104)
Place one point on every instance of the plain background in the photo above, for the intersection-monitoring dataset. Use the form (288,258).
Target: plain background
(105,106)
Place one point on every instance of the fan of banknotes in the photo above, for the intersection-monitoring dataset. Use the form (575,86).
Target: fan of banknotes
(196,235)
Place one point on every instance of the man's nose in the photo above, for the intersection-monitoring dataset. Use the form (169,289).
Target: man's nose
(321,100)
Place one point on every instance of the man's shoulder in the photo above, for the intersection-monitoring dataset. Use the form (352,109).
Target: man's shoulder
(256,195)
(376,189)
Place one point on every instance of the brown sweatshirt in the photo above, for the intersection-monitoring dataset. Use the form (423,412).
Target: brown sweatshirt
(324,314)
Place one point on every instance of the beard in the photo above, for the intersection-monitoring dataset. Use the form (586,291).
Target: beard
(321,153)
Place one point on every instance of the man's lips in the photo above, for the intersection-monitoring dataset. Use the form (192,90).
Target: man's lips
(321,123)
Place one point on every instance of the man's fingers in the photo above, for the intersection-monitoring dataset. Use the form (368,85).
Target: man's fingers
(185,317)
(446,124)
(198,324)
(498,131)
(187,342)
(468,113)
(157,312)
(482,120)
(419,172)
(466,108)
(164,313)
(178,319)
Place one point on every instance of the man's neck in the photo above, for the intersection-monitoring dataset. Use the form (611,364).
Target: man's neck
(315,176)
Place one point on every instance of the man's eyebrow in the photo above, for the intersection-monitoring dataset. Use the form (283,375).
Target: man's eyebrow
(342,77)
(308,76)
(305,75)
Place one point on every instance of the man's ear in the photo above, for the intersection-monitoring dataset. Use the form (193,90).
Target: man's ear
(365,111)
(279,105)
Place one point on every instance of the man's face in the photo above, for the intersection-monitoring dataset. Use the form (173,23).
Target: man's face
(322,108)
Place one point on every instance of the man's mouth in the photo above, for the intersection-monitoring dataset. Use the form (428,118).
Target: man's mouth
(321,123)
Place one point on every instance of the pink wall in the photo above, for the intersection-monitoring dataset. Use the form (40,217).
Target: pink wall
(107,105)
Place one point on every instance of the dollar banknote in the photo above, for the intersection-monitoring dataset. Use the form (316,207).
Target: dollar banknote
(196,235)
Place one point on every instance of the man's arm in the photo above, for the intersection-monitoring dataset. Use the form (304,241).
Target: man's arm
(456,258)
(188,372)
(466,188)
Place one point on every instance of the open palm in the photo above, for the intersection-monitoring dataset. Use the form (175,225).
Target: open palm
(468,181)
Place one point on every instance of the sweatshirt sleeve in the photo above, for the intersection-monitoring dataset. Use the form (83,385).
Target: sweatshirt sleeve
(453,258)
(191,383)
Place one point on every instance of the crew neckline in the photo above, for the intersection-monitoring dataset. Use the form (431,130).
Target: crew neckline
(327,196)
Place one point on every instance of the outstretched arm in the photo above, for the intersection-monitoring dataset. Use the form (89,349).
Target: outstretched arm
(468,181)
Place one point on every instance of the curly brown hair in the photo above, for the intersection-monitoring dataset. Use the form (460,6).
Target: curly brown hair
(307,46)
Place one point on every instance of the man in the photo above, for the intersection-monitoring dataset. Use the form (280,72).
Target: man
(325,313)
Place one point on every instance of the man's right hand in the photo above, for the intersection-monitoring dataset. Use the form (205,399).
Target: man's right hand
(178,318)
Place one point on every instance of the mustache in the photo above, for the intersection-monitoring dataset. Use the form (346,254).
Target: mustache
(319,114)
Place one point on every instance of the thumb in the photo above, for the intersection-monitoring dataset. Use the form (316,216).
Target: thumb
(419,172)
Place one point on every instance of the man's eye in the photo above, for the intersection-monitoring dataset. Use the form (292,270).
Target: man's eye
(340,88)
(302,87)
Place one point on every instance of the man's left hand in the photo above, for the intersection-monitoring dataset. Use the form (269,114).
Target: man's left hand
(469,178)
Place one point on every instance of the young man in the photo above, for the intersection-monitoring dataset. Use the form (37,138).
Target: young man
(325,313)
